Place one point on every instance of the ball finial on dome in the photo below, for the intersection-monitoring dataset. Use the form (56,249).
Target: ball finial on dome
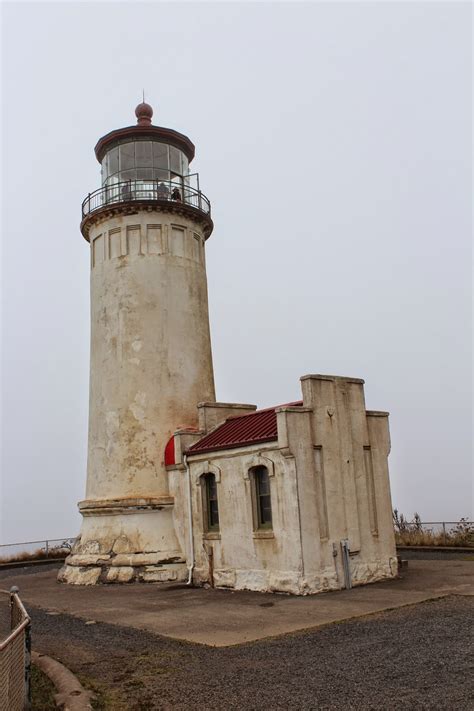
(143,112)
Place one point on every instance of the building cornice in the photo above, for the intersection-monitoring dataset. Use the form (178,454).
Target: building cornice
(134,207)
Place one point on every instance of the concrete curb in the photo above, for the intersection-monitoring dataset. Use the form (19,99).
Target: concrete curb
(71,694)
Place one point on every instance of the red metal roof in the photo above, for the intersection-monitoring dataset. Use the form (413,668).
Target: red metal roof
(260,426)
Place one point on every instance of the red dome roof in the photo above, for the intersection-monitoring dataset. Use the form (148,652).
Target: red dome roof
(144,113)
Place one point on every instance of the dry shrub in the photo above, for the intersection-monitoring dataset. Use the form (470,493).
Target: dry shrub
(417,533)
(39,554)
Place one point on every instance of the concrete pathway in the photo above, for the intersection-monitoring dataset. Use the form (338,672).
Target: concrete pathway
(224,617)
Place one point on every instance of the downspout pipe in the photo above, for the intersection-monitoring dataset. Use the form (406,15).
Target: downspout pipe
(190,523)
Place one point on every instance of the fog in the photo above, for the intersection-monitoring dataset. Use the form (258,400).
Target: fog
(334,142)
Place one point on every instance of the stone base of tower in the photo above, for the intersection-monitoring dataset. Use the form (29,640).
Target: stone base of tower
(124,541)
(164,572)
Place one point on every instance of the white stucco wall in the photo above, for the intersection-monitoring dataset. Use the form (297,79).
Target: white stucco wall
(151,363)
(151,360)
(351,451)
(329,482)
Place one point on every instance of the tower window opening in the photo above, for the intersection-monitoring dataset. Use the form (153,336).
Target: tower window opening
(210,503)
(261,496)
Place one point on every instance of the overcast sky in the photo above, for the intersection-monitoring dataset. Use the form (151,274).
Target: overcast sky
(334,142)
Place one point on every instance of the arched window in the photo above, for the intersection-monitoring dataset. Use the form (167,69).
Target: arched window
(210,503)
(262,498)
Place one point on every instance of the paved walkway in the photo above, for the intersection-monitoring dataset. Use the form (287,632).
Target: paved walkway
(223,617)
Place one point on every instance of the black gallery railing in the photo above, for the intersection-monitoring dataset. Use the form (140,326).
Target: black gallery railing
(146,190)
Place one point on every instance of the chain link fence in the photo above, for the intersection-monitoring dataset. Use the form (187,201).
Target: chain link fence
(36,550)
(15,653)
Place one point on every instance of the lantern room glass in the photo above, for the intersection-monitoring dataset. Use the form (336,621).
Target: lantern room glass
(144,160)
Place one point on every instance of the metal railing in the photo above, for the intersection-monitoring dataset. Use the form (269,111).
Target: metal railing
(15,652)
(28,550)
(146,191)
(449,533)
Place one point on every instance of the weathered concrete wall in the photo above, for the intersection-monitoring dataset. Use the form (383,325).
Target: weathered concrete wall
(151,360)
(329,482)
(351,462)
(242,556)
(295,443)
(151,363)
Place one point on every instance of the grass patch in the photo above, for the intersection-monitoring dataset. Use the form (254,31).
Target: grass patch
(42,691)
(103,699)
(130,688)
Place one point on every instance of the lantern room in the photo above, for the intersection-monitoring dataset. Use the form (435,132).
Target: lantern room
(144,159)
(146,153)
(146,163)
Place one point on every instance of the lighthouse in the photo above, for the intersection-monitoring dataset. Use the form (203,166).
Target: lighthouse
(291,498)
(150,358)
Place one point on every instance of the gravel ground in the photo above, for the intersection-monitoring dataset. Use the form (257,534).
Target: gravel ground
(415,657)
(7,571)
(435,555)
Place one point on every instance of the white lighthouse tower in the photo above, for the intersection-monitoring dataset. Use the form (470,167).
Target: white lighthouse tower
(151,360)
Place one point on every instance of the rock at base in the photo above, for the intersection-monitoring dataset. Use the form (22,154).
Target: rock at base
(74,575)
